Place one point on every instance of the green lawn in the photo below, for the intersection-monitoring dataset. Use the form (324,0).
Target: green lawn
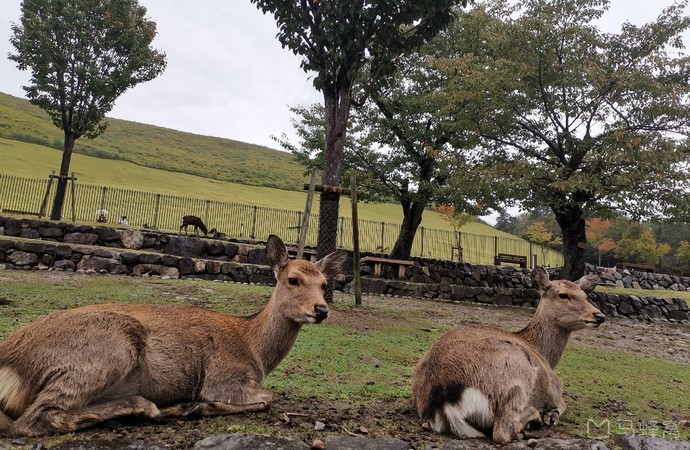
(360,361)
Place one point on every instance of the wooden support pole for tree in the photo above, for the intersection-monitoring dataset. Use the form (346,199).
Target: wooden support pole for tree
(44,203)
(326,188)
(355,242)
(307,213)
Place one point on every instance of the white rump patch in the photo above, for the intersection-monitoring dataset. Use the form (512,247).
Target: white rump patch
(473,404)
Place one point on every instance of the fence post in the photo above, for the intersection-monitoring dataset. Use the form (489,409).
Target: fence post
(252,233)
(342,230)
(154,224)
(74,213)
(355,242)
(422,242)
(495,248)
(299,232)
(383,224)
(208,207)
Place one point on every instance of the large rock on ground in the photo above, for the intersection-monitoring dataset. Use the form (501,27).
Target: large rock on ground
(637,442)
(101,444)
(249,441)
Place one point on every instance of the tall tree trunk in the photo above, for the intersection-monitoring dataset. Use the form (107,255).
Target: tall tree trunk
(337,110)
(56,212)
(412,217)
(569,218)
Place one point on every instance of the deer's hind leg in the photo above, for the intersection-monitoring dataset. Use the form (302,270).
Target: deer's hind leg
(512,414)
(230,399)
(82,383)
(45,420)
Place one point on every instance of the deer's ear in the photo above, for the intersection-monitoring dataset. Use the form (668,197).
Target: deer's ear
(541,278)
(588,283)
(276,253)
(332,264)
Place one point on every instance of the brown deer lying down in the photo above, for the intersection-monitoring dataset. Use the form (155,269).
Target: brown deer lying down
(76,368)
(196,222)
(479,381)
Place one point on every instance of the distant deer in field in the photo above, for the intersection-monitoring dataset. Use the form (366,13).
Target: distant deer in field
(479,381)
(196,222)
(76,368)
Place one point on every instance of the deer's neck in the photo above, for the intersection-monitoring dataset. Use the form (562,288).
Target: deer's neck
(548,339)
(272,336)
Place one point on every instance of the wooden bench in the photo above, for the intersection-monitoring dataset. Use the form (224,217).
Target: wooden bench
(377,263)
(511,259)
(23,213)
(307,253)
(636,266)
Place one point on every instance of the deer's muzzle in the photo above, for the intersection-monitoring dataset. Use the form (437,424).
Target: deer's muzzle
(320,313)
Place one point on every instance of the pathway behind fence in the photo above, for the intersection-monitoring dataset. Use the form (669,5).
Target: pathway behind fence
(33,197)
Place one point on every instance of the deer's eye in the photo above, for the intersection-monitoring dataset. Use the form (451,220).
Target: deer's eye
(293,281)
(564,296)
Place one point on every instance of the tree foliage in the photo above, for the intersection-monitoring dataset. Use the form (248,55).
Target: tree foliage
(596,236)
(82,55)
(341,41)
(571,117)
(639,244)
(397,144)
(683,252)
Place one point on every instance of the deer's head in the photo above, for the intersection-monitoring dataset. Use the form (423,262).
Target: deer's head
(564,303)
(300,284)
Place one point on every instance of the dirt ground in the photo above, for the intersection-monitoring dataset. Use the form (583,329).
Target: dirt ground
(395,417)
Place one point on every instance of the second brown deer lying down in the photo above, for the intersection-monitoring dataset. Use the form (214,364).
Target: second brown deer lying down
(77,368)
(482,381)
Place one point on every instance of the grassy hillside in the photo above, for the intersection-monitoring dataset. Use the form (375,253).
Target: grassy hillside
(152,159)
(36,161)
(159,148)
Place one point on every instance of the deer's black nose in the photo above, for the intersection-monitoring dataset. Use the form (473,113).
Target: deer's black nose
(600,318)
(320,312)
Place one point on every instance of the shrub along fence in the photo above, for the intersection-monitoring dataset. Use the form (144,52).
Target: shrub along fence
(33,197)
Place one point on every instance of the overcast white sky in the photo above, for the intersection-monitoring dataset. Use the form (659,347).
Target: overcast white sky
(227,74)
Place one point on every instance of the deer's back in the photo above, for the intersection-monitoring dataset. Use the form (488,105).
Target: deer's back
(168,349)
(475,357)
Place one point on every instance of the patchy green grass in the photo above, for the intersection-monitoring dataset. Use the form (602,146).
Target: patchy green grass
(628,391)
(359,363)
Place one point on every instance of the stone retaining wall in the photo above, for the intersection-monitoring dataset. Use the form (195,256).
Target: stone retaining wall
(103,249)
(615,305)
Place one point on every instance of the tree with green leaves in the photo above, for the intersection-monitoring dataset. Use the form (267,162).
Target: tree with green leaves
(538,233)
(82,54)
(457,219)
(342,40)
(639,244)
(683,253)
(396,146)
(570,117)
